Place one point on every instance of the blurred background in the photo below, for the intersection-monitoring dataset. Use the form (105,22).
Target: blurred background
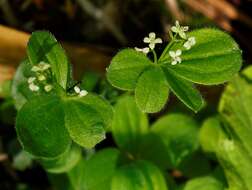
(92,31)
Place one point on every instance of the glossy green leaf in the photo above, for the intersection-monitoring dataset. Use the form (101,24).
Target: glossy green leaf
(204,183)
(140,175)
(43,46)
(184,90)
(63,163)
(100,105)
(100,169)
(129,125)
(84,124)
(40,127)
(152,90)
(179,134)
(214,59)
(126,67)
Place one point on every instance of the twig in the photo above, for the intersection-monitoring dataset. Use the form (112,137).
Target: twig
(173,7)
(98,14)
(8,13)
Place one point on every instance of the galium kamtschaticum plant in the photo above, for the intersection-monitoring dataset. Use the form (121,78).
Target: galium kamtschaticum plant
(55,115)
(204,56)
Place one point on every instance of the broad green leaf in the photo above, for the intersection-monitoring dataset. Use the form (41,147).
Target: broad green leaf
(179,134)
(214,59)
(63,163)
(100,169)
(140,175)
(40,127)
(184,90)
(43,46)
(204,183)
(236,107)
(129,125)
(126,67)
(209,134)
(100,105)
(20,89)
(84,124)
(152,90)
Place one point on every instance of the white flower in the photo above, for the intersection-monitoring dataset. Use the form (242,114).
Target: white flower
(33,87)
(189,43)
(80,92)
(83,93)
(180,30)
(77,89)
(175,55)
(35,68)
(143,50)
(31,80)
(152,40)
(48,87)
(41,77)
(42,66)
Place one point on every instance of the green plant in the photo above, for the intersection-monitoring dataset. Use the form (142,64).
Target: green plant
(53,112)
(204,56)
(60,120)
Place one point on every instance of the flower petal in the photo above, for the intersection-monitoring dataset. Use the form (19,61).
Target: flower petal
(158,41)
(152,35)
(147,40)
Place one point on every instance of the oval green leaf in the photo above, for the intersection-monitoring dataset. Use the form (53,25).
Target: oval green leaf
(214,59)
(184,90)
(40,127)
(126,67)
(43,46)
(84,124)
(152,90)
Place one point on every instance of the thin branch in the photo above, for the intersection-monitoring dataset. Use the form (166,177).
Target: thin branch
(8,13)
(98,14)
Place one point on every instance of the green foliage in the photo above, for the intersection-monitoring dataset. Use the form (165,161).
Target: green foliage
(63,163)
(99,169)
(179,133)
(206,183)
(40,127)
(140,175)
(129,125)
(43,46)
(50,115)
(213,60)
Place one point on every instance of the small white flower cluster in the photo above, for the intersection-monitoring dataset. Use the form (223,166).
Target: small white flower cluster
(152,41)
(191,41)
(80,92)
(40,78)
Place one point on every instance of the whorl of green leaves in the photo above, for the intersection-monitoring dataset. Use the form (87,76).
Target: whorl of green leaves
(214,59)
(48,122)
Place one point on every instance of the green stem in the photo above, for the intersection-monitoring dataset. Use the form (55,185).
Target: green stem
(168,47)
(155,56)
